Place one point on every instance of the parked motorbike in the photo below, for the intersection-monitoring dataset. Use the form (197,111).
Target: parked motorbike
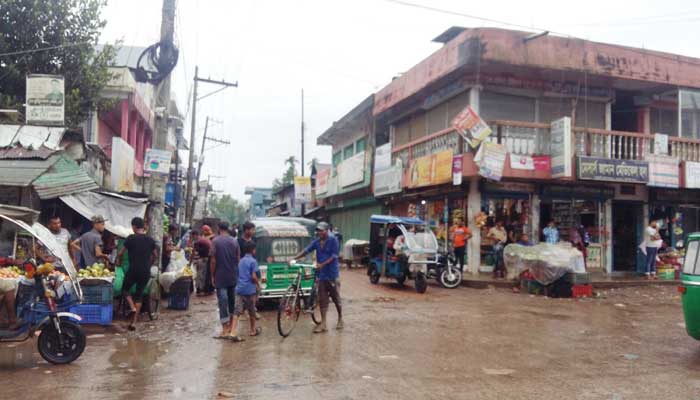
(446,271)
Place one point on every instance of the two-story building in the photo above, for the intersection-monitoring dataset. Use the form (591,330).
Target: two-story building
(586,134)
(346,187)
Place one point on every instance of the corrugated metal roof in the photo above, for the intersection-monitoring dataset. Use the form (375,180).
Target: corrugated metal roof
(31,136)
(19,153)
(23,172)
(7,134)
(64,177)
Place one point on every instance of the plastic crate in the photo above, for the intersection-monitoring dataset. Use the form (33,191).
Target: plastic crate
(179,301)
(182,286)
(98,294)
(581,291)
(97,314)
(667,274)
(583,278)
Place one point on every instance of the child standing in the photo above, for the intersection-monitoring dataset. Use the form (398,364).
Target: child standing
(246,291)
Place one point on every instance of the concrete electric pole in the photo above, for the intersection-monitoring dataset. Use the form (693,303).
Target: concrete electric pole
(160,135)
(189,203)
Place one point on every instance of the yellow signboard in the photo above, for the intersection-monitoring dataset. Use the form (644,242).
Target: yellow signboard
(431,170)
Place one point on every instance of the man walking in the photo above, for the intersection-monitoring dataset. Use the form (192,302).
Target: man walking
(91,243)
(326,248)
(224,272)
(142,254)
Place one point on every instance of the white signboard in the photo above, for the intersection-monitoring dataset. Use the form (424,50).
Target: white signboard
(382,157)
(302,189)
(122,166)
(692,175)
(157,161)
(45,99)
(661,144)
(352,170)
(561,148)
(663,171)
(521,162)
(470,125)
(387,177)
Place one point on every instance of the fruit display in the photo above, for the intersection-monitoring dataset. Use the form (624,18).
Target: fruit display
(187,271)
(12,272)
(95,271)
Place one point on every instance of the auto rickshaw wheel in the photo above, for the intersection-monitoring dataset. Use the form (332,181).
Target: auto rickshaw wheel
(401,279)
(421,283)
(50,347)
(374,276)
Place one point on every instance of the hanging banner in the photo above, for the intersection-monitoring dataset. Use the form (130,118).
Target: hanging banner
(322,176)
(561,148)
(692,175)
(122,169)
(470,125)
(661,144)
(521,162)
(157,161)
(431,170)
(45,99)
(663,171)
(457,170)
(491,160)
(302,189)
(606,169)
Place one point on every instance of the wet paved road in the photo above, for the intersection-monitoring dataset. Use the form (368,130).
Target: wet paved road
(446,344)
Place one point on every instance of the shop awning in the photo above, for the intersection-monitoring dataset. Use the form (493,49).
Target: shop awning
(23,172)
(64,177)
(118,210)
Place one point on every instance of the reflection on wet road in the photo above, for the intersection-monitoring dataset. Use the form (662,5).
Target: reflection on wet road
(457,344)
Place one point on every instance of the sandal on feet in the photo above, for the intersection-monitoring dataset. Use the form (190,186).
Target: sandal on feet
(236,339)
(320,329)
(257,332)
(131,327)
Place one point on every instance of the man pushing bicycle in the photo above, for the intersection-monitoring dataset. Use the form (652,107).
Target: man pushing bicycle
(326,248)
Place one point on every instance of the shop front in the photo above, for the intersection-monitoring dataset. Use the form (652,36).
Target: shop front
(577,208)
(677,212)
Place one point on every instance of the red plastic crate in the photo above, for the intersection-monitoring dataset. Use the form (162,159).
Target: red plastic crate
(581,291)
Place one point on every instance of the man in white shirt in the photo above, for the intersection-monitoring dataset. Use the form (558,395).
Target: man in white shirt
(61,234)
(653,243)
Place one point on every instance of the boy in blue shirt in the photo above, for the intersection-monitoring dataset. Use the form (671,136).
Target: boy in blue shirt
(246,291)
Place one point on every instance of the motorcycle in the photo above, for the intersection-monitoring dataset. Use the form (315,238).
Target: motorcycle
(446,271)
(43,301)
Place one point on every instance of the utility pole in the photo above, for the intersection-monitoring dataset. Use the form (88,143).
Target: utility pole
(303,205)
(160,134)
(201,162)
(189,203)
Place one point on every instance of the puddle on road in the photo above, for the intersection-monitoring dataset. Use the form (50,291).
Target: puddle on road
(137,354)
(18,355)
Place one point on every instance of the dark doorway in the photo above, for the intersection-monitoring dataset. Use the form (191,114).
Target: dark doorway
(624,112)
(626,235)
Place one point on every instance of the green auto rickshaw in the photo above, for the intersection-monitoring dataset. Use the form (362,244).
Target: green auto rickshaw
(278,240)
(690,285)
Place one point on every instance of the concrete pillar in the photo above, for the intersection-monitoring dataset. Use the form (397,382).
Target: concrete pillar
(474,98)
(473,208)
(608,116)
(133,122)
(140,140)
(608,237)
(535,218)
(124,128)
(644,120)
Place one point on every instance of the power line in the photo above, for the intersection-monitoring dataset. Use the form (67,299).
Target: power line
(676,58)
(14,53)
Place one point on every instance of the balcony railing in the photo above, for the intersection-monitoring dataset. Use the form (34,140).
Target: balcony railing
(528,138)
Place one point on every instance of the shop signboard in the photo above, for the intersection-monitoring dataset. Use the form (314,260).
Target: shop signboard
(433,169)
(322,176)
(387,177)
(663,171)
(45,99)
(521,162)
(613,170)
(457,170)
(578,192)
(157,161)
(507,187)
(594,260)
(542,163)
(660,144)
(170,194)
(470,125)
(491,159)
(672,196)
(692,175)
(302,189)
(561,148)
(352,170)
(122,169)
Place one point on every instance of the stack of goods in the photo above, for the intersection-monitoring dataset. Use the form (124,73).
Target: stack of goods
(9,278)
(98,294)
(669,267)
(180,290)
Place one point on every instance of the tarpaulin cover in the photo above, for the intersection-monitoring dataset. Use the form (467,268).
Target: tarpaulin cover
(118,211)
(546,262)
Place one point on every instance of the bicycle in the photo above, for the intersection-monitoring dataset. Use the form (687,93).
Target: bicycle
(290,306)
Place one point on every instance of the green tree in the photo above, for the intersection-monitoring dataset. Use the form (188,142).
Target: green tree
(72,29)
(289,173)
(227,208)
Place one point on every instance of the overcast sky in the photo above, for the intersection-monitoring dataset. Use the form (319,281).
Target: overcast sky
(340,52)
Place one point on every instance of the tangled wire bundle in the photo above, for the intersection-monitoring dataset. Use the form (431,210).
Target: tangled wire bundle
(156,62)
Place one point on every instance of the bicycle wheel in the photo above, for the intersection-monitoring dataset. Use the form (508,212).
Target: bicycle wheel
(154,300)
(316,315)
(288,311)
